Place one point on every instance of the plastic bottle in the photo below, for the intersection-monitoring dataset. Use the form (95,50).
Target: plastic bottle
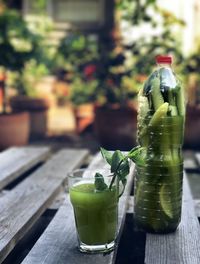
(158,182)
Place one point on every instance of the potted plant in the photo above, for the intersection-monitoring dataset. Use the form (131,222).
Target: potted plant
(81,96)
(14,126)
(192,124)
(17,46)
(115,119)
(31,98)
(78,53)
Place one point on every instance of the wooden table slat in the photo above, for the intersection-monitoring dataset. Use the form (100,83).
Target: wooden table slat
(190,161)
(197,207)
(183,246)
(58,244)
(22,206)
(17,160)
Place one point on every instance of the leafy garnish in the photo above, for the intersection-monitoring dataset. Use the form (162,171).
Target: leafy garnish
(117,158)
(107,155)
(137,155)
(99,182)
(119,166)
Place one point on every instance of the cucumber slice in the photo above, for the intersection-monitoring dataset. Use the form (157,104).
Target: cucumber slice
(165,196)
(173,110)
(159,114)
(157,97)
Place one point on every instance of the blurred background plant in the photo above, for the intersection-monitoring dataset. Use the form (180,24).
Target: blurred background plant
(17,43)
(83,92)
(149,30)
(77,50)
(25,82)
(192,66)
(125,61)
(104,66)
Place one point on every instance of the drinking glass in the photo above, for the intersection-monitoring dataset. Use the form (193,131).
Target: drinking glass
(95,212)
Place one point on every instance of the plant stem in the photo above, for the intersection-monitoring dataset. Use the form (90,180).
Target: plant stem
(115,174)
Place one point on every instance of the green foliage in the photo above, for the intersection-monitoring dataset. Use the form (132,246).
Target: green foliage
(117,158)
(99,182)
(77,49)
(120,165)
(135,11)
(192,63)
(137,155)
(117,88)
(26,81)
(39,6)
(107,155)
(82,91)
(17,43)
(31,75)
(144,49)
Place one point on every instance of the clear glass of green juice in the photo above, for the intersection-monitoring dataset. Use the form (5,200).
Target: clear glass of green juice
(95,211)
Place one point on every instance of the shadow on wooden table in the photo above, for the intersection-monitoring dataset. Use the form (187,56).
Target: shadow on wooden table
(132,244)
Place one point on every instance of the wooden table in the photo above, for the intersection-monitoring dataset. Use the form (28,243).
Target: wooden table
(36,218)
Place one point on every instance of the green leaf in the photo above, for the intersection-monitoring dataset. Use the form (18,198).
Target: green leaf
(137,155)
(124,169)
(116,160)
(99,182)
(107,155)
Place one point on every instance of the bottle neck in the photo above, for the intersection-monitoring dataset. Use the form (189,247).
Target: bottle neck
(165,65)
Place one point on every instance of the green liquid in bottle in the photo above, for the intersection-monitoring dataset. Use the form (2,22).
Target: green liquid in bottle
(158,183)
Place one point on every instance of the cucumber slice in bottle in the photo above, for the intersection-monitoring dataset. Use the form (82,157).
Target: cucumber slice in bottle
(157,97)
(173,110)
(167,207)
(159,114)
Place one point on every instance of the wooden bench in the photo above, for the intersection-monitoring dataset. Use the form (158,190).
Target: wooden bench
(25,203)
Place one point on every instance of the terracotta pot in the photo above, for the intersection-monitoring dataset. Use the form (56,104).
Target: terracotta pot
(116,127)
(192,126)
(14,129)
(84,116)
(38,110)
(22,102)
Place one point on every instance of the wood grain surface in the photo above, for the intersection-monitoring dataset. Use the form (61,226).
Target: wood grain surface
(22,206)
(17,160)
(181,247)
(58,244)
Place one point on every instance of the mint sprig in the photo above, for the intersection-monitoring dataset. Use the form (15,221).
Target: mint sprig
(100,185)
(119,166)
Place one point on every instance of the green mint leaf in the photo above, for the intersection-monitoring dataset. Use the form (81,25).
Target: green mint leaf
(124,168)
(122,173)
(99,182)
(107,155)
(137,155)
(117,158)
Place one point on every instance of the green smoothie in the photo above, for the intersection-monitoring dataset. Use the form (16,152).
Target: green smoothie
(95,213)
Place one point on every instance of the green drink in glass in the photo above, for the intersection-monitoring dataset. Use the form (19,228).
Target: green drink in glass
(158,181)
(95,212)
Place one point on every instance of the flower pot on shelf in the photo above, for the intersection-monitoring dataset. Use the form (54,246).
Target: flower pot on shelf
(84,116)
(38,110)
(14,129)
(192,126)
(115,126)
